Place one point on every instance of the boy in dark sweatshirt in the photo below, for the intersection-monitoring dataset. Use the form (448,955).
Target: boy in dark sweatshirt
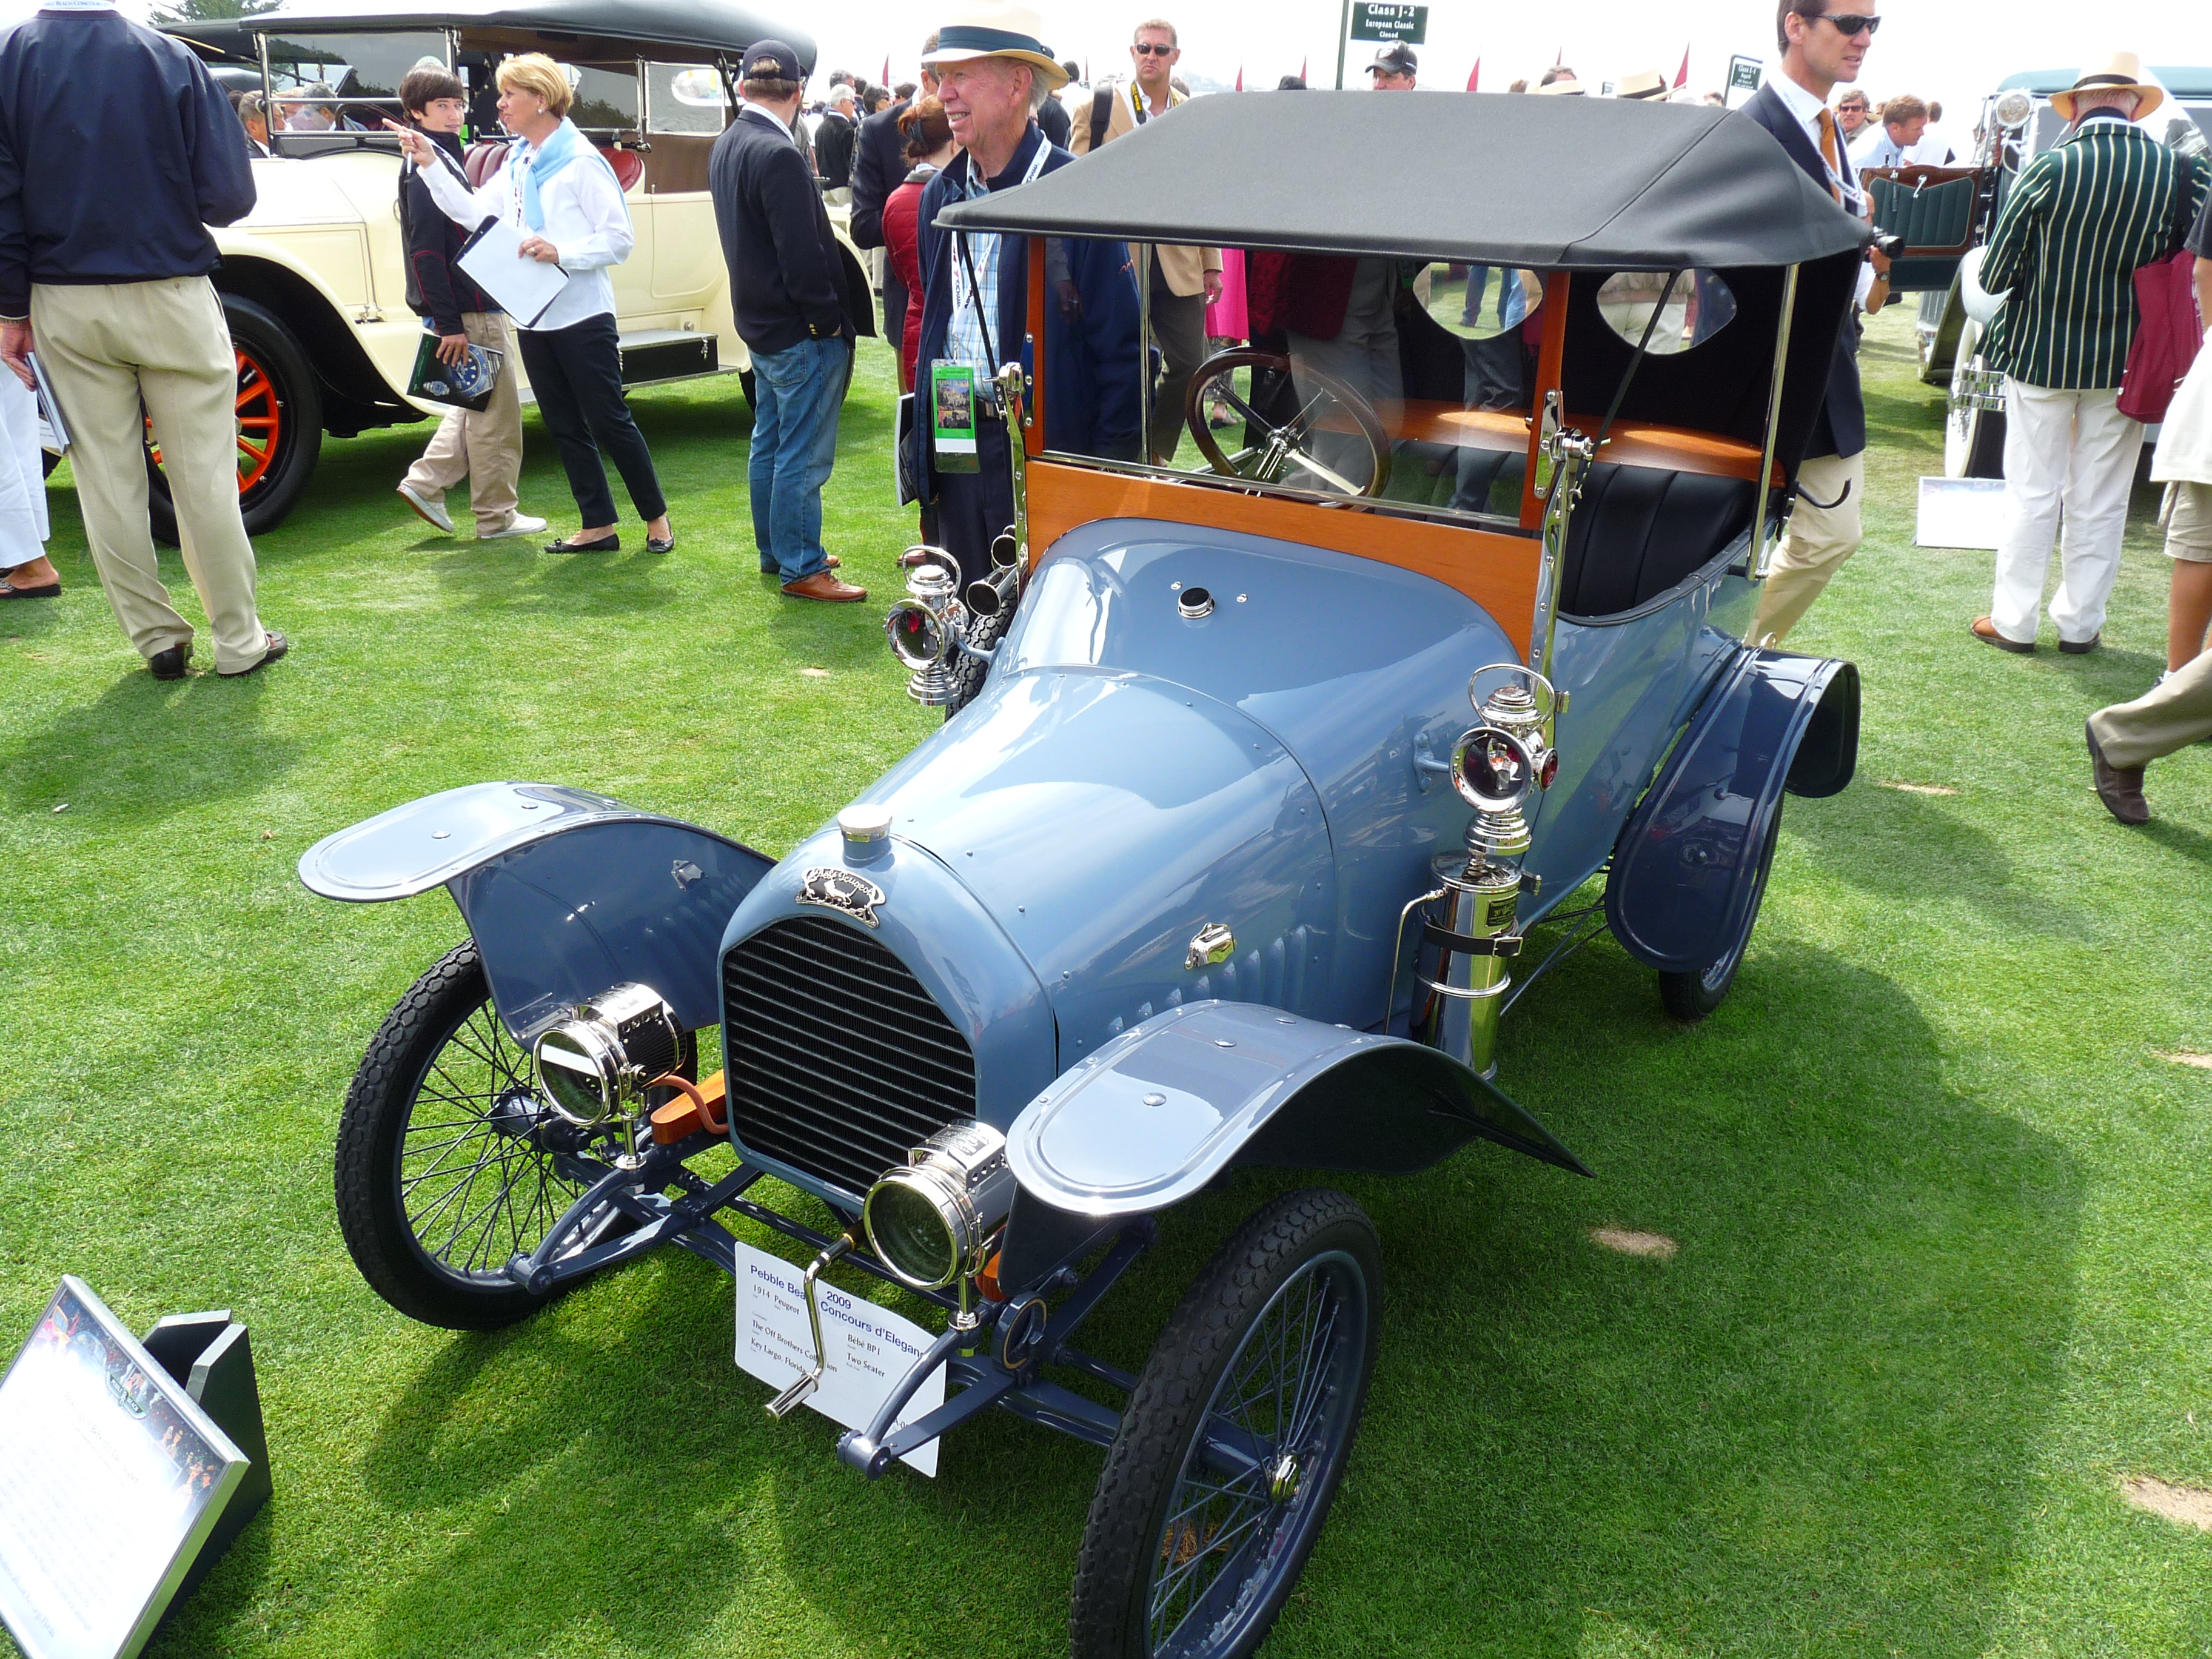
(484,447)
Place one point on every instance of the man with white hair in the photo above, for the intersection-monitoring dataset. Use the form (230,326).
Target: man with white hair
(2083,216)
(993,74)
(834,137)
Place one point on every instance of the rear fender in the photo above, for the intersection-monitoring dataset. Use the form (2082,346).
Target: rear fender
(565,892)
(1685,874)
(1162,1109)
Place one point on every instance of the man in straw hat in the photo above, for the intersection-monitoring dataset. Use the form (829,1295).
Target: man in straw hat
(1644,86)
(2082,218)
(993,74)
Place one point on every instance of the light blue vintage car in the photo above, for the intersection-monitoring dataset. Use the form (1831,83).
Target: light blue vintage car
(1258,773)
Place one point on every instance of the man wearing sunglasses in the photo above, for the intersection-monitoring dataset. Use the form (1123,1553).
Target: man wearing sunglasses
(1821,49)
(1854,113)
(1185,280)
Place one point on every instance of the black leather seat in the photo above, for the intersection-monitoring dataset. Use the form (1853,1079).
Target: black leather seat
(1640,530)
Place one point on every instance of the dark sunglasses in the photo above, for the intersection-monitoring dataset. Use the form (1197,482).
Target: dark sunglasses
(1144,49)
(1851,22)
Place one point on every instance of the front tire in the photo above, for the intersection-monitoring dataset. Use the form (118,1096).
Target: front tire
(1194,1554)
(442,1172)
(280,424)
(1689,997)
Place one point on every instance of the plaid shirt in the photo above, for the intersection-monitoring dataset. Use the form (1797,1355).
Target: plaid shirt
(2079,222)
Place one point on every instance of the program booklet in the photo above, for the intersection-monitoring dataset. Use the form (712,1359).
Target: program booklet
(465,385)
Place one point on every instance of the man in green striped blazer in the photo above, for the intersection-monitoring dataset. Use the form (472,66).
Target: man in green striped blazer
(2080,220)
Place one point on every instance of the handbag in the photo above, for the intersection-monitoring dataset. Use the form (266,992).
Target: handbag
(2167,333)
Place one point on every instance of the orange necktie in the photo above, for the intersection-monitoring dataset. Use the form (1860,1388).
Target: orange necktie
(1828,154)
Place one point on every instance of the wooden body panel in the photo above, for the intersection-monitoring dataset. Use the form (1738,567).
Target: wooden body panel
(1497,571)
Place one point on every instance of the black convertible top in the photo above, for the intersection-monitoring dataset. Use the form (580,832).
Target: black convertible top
(701,26)
(1552,183)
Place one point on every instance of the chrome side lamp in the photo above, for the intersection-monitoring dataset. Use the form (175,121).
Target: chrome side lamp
(594,1067)
(1470,920)
(924,627)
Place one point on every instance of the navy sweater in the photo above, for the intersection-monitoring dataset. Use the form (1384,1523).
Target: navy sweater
(437,288)
(117,151)
(786,281)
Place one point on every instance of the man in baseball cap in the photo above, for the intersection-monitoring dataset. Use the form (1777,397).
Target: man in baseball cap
(1395,67)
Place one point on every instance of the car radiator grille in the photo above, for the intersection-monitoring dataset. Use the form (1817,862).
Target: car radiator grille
(839,1063)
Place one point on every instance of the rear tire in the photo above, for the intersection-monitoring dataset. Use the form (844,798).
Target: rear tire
(280,410)
(1973,437)
(1689,997)
(1294,1298)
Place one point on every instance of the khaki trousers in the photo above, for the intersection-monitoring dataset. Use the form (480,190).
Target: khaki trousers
(484,447)
(2172,715)
(1819,540)
(119,353)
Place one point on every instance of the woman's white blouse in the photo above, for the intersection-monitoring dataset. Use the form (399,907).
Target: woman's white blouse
(585,219)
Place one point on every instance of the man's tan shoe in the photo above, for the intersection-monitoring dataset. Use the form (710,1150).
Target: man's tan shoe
(824,585)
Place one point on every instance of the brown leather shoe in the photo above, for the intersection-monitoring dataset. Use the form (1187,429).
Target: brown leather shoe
(824,585)
(1987,631)
(2120,787)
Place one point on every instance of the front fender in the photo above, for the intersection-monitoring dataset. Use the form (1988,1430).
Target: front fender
(1162,1109)
(1686,869)
(566,892)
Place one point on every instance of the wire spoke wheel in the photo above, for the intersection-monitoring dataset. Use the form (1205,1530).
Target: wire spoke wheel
(1235,1440)
(446,1161)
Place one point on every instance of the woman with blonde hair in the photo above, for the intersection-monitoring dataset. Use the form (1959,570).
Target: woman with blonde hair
(562,196)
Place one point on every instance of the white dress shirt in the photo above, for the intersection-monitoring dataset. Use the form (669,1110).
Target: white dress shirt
(586,220)
(1806,108)
(1879,150)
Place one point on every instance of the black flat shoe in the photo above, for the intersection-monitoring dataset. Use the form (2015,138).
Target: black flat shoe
(605,544)
(278,645)
(661,543)
(170,665)
(44,591)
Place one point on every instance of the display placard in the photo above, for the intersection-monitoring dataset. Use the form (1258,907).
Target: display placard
(1743,77)
(868,1348)
(1377,22)
(111,1479)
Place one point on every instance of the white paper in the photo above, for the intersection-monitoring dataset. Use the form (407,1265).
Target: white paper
(524,288)
(869,1348)
(1967,513)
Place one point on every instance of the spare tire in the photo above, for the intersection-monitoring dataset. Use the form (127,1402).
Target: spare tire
(280,424)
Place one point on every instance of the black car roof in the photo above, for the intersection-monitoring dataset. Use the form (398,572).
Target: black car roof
(701,26)
(1555,183)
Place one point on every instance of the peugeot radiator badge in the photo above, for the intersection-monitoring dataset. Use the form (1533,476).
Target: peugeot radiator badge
(841,890)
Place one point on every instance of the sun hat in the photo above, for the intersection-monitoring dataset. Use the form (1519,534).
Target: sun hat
(995,31)
(2121,72)
(1644,84)
(1565,87)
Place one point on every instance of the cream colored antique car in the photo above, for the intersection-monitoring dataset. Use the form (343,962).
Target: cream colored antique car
(313,279)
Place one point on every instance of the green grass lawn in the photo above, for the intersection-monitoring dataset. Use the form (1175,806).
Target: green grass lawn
(1943,1205)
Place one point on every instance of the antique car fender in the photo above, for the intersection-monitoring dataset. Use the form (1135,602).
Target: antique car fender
(566,892)
(1686,869)
(1164,1108)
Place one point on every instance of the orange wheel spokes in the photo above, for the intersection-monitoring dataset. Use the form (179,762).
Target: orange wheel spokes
(260,423)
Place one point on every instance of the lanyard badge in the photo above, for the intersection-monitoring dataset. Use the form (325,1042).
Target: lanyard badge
(952,417)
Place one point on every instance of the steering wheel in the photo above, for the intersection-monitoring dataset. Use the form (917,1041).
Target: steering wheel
(1288,445)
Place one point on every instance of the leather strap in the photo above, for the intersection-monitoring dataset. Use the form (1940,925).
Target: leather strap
(1466,944)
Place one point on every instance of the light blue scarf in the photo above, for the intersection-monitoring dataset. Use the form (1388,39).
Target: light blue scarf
(566,145)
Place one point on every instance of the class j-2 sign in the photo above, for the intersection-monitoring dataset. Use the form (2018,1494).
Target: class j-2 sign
(1377,22)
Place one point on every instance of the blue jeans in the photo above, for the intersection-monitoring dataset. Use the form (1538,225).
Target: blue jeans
(796,396)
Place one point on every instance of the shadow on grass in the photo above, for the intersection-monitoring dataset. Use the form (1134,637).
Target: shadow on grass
(576,585)
(147,748)
(1816,1426)
(1869,835)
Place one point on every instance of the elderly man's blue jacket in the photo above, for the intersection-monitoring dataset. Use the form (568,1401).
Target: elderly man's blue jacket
(1093,363)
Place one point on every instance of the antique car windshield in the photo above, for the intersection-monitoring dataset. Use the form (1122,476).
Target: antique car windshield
(325,83)
(1405,380)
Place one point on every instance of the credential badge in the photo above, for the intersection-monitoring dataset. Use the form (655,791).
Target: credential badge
(841,890)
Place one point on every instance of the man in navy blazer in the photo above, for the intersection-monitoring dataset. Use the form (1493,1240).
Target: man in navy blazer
(1821,45)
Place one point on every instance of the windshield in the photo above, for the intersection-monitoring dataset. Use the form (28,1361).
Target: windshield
(1402,380)
(327,83)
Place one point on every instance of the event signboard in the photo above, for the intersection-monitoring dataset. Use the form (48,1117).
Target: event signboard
(111,1479)
(1377,22)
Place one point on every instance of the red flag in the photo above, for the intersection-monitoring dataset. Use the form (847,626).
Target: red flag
(1302,69)
(886,81)
(1682,74)
(1239,77)
(1561,58)
(1474,76)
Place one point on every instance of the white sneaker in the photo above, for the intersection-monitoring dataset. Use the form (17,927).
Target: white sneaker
(434,512)
(520,525)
